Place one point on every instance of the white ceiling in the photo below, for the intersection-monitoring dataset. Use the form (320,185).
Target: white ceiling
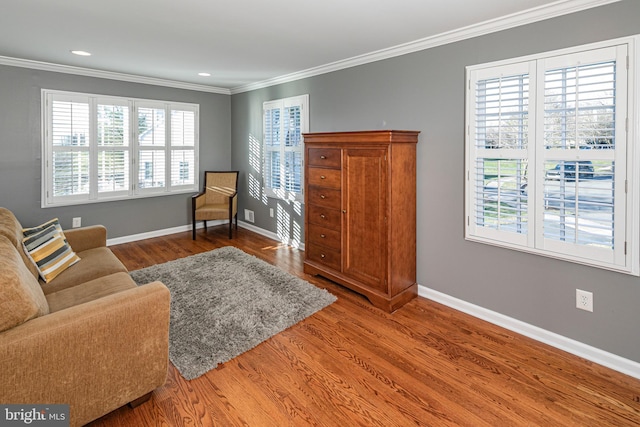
(243,42)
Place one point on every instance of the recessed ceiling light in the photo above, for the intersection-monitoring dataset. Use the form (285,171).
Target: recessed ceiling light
(204,74)
(80,52)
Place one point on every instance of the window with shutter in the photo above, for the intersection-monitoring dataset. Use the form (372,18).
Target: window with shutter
(113,148)
(69,147)
(183,143)
(284,122)
(549,155)
(151,147)
(89,155)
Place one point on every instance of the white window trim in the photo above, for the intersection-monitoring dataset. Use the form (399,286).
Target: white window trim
(133,192)
(631,264)
(303,101)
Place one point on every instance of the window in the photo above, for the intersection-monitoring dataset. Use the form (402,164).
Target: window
(285,120)
(98,148)
(550,155)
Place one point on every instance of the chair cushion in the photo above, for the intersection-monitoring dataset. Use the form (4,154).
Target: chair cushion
(94,263)
(21,298)
(49,250)
(211,211)
(89,291)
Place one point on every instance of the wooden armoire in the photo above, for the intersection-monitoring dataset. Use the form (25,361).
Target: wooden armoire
(360,212)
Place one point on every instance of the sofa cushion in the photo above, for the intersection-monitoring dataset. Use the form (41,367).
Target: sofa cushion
(89,291)
(26,232)
(49,249)
(21,298)
(11,228)
(94,263)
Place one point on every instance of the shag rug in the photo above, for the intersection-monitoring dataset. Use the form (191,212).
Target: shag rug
(225,302)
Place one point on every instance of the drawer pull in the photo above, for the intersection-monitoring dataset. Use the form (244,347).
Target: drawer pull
(322,236)
(344,211)
(322,216)
(323,177)
(323,157)
(322,256)
(322,196)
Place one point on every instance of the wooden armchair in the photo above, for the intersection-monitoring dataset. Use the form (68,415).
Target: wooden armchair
(218,199)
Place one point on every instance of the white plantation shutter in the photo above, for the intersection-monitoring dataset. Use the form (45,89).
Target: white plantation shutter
(292,168)
(113,134)
(183,137)
(583,117)
(108,148)
(70,145)
(547,156)
(272,145)
(284,121)
(501,154)
(151,147)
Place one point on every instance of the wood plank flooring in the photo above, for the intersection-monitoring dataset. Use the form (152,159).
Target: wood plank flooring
(354,365)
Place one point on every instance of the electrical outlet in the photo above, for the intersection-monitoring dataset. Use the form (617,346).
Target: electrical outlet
(271,212)
(584,300)
(248,215)
(76,222)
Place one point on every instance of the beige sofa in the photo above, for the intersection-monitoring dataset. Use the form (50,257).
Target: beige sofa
(89,338)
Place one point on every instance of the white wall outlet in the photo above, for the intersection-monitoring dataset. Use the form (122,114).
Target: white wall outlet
(271,212)
(76,222)
(584,300)
(248,215)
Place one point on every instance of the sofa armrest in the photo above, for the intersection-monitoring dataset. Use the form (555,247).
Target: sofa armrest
(84,238)
(95,356)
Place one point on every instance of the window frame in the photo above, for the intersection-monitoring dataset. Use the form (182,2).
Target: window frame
(280,104)
(133,148)
(626,206)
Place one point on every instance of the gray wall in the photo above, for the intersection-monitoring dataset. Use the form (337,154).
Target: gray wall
(425,91)
(20,145)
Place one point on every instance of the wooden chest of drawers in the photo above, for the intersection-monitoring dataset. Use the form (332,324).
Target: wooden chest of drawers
(359,222)
(323,201)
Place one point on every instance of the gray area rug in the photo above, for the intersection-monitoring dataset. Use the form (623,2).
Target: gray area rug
(225,302)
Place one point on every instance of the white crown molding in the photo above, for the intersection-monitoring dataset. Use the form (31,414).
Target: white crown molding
(559,8)
(67,69)
(601,357)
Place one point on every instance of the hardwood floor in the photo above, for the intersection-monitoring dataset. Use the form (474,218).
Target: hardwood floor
(354,365)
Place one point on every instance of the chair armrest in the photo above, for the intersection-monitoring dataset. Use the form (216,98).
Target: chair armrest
(198,200)
(95,356)
(84,238)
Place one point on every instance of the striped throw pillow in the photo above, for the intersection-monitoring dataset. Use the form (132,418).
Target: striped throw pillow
(49,250)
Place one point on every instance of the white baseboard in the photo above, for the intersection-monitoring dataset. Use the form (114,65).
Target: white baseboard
(183,228)
(160,233)
(610,360)
(270,235)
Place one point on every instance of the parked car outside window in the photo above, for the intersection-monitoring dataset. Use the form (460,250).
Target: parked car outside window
(567,170)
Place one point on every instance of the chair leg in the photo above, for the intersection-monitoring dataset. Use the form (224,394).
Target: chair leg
(230,227)
(193,230)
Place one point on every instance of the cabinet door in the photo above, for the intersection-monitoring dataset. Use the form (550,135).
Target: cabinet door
(365,209)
